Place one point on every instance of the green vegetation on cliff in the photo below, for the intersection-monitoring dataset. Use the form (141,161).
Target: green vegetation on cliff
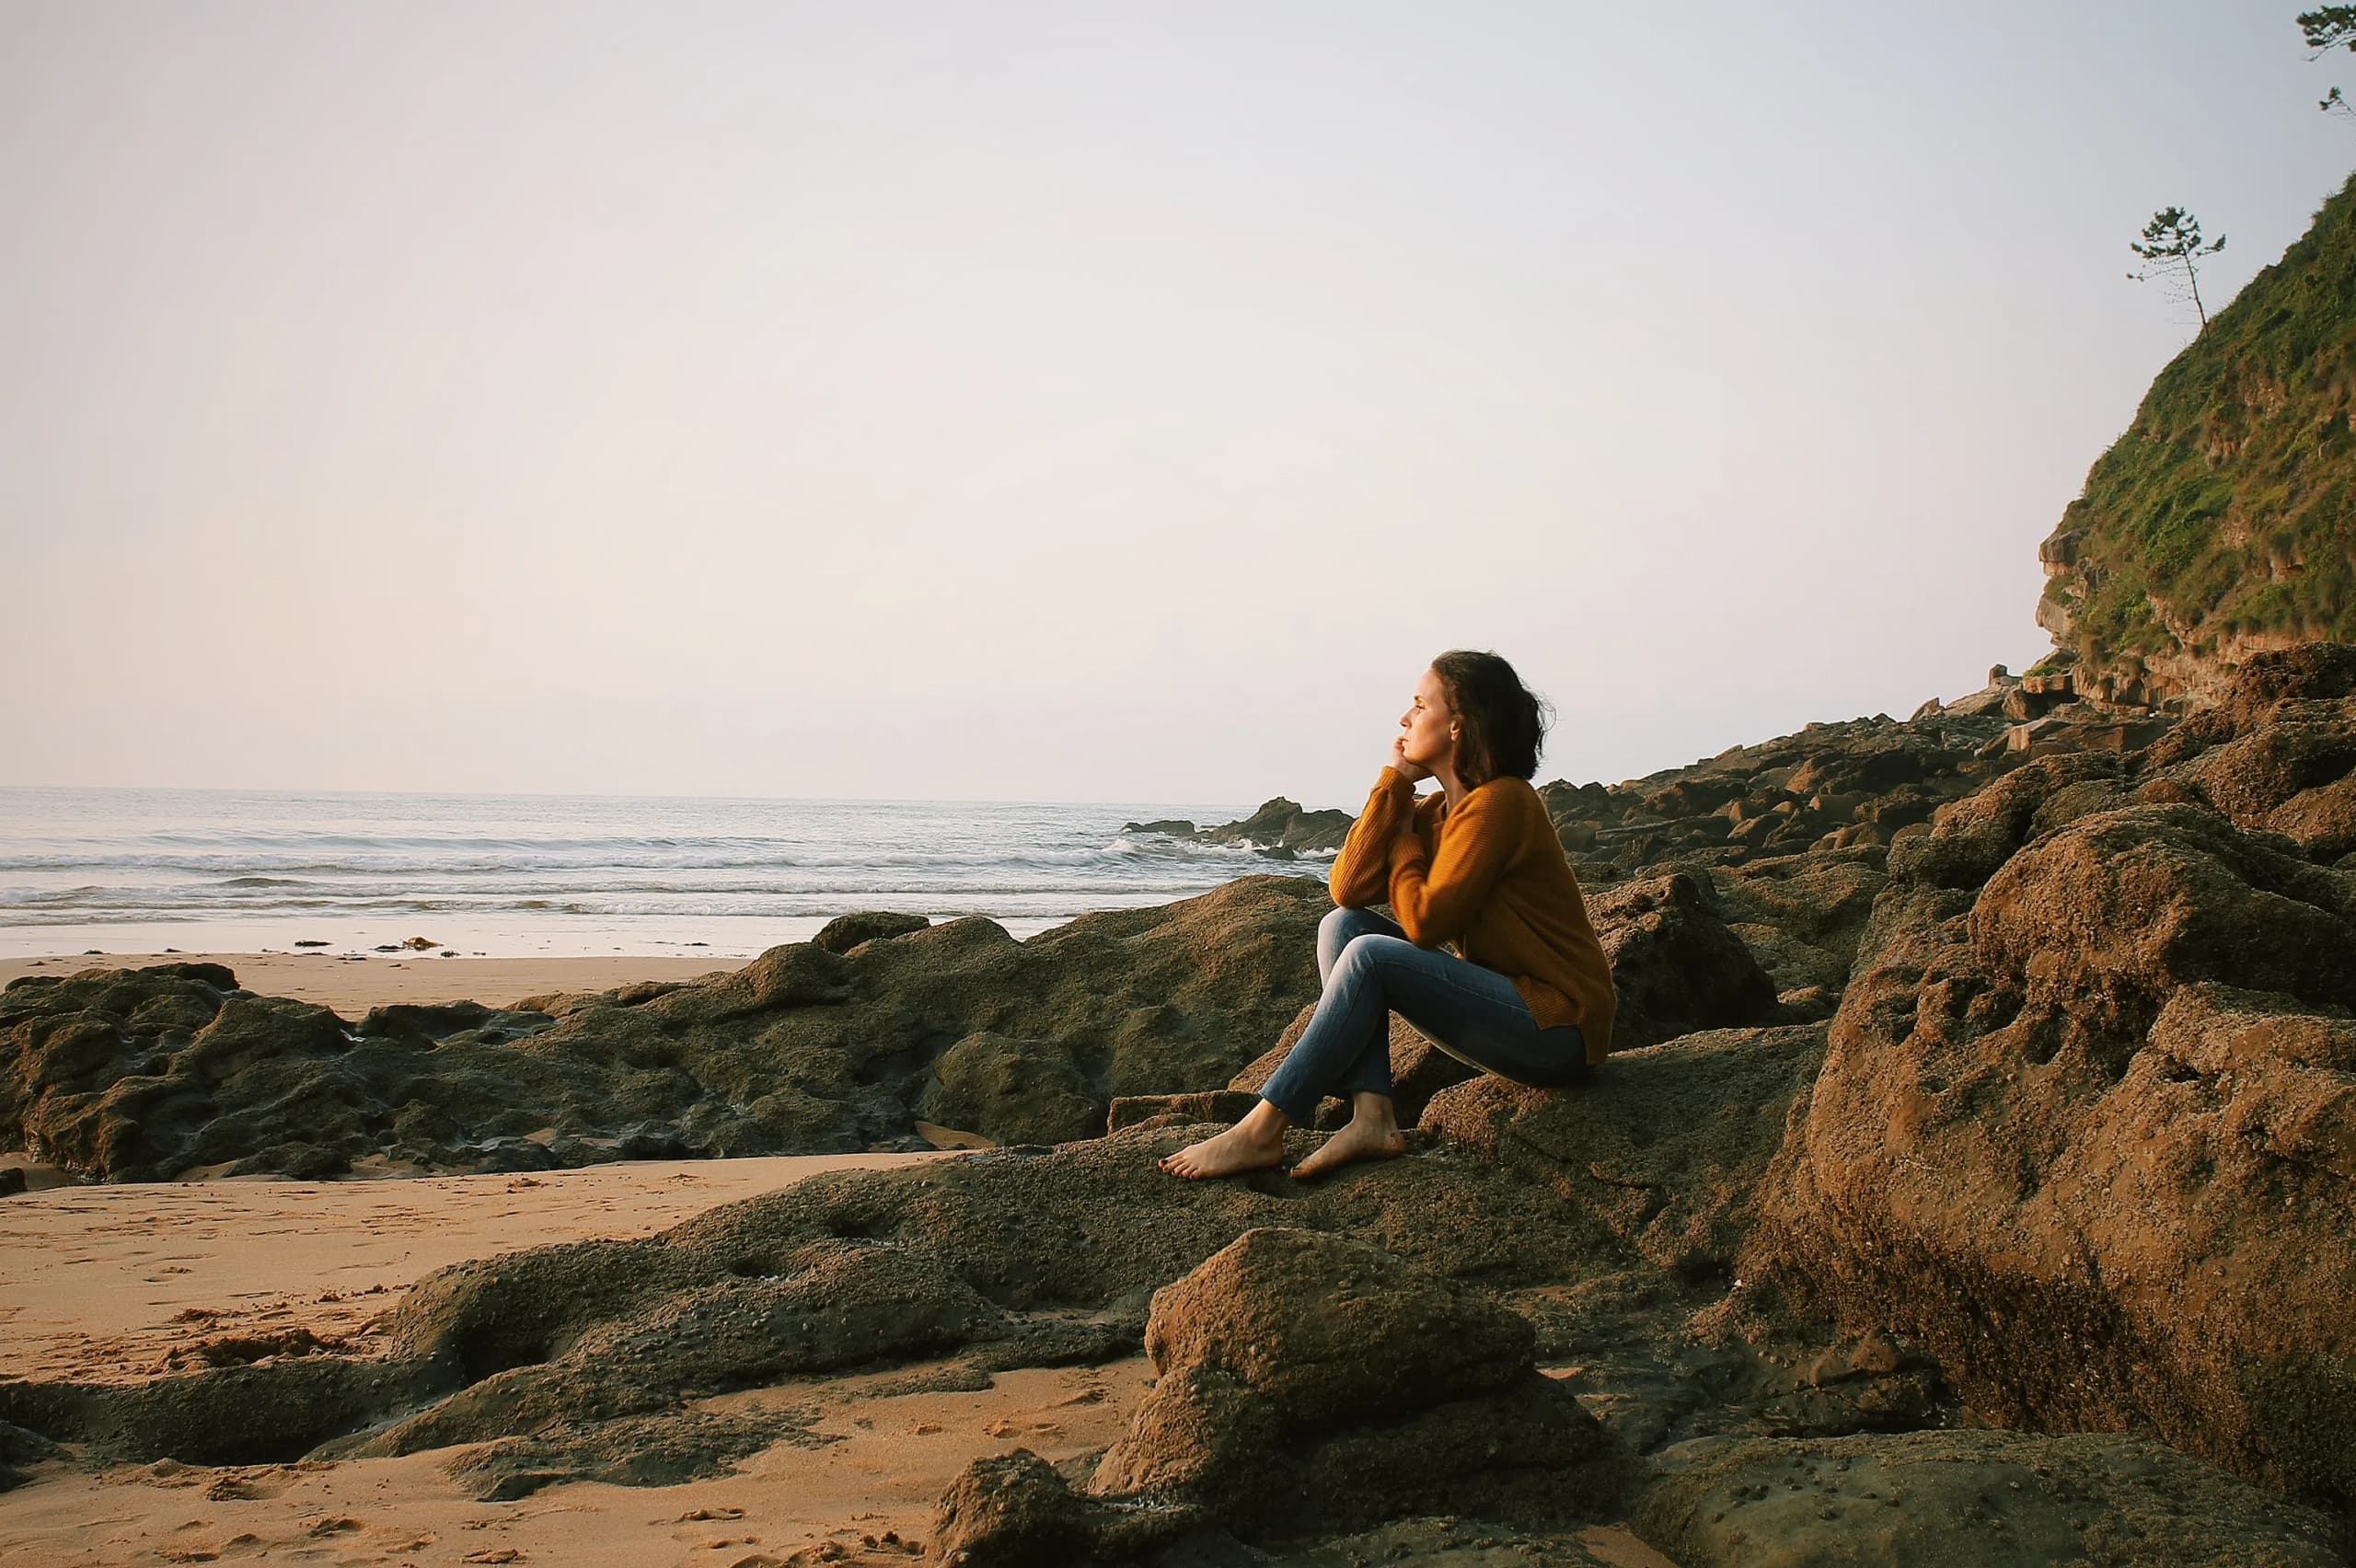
(2225,510)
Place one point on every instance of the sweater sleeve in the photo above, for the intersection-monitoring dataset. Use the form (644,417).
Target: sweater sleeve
(1361,873)
(1434,898)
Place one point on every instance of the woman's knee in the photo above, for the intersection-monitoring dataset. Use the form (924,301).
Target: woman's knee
(1340,925)
(1369,950)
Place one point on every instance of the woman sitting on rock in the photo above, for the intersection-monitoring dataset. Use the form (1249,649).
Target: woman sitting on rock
(1476,862)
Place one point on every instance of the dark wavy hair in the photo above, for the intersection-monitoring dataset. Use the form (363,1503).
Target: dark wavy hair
(1503,723)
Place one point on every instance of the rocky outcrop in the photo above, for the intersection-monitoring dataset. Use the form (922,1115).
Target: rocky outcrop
(142,1075)
(1858,784)
(570,1358)
(2085,1121)
(1279,828)
(1666,1151)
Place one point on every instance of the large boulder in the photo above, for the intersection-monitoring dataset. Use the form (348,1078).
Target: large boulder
(1676,966)
(2086,1125)
(1011,1510)
(1306,1380)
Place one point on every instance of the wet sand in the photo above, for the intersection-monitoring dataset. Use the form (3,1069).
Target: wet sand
(99,1281)
(103,1283)
(353,986)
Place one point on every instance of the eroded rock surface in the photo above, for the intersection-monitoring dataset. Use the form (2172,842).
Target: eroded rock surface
(2085,1120)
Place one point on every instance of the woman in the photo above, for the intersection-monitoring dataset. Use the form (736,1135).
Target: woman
(1478,863)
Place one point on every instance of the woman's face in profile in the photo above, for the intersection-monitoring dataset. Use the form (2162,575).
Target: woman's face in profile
(1427,722)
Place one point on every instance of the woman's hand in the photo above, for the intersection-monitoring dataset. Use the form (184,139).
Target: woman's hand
(1412,772)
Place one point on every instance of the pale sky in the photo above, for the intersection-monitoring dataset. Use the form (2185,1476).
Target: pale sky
(1089,402)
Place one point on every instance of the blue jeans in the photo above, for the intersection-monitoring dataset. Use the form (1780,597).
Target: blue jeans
(1372,970)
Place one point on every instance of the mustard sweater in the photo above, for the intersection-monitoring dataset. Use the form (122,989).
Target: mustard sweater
(1491,876)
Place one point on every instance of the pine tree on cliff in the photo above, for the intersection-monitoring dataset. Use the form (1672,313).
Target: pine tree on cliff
(2326,29)
(2171,243)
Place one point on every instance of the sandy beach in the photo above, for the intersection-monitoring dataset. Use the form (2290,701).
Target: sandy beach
(102,1283)
(122,1281)
(353,986)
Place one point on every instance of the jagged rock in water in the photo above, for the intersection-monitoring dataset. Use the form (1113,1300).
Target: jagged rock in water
(847,931)
(1282,824)
(1967,1500)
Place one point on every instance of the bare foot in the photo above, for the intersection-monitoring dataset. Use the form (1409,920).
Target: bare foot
(1237,1149)
(1360,1140)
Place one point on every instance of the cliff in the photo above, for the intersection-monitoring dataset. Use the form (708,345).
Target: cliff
(2220,522)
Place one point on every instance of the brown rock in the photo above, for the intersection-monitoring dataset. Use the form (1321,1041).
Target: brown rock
(1010,1511)
(1967,1500)
(1161,1110)
(2085,1134)
(1676,966)
(1306,1380)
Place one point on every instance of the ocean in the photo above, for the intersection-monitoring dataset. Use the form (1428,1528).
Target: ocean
(141,871)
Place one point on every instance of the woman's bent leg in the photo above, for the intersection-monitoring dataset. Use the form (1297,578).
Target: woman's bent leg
(1257,1141)
(1345,1046)
(1476,1015)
